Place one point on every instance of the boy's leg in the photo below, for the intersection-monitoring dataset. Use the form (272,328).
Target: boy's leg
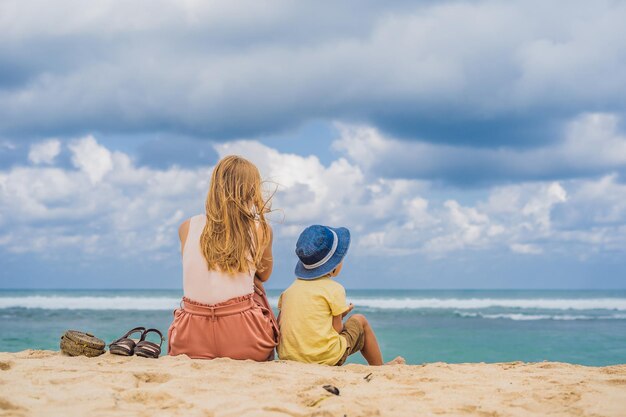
(371,350)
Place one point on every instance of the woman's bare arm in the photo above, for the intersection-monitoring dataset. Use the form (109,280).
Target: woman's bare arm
(183,230)
(267,263)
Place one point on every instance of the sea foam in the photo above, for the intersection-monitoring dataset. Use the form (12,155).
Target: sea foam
(55,302)
(90,303)
(482,303)
(533,317)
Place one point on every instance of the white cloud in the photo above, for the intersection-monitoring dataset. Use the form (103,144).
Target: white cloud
(309,188)
(91,158)
(526,249)
(594,139)
(5,144)
(465,228)
(44,152)
(108,207)
(401,216)
(540,206)
(115,208)
(602,199)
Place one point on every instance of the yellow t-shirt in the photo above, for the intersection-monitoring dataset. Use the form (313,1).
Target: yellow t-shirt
(306,309)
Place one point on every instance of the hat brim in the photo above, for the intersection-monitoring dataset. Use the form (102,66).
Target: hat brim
(343,235)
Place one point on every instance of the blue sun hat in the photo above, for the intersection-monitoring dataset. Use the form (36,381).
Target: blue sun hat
(320,249)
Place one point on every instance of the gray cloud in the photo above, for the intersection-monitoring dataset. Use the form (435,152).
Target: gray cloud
(589,145)
(473,73)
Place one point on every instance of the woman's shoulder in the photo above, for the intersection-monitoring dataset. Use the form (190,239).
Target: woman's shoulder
(194,218)
(183,229)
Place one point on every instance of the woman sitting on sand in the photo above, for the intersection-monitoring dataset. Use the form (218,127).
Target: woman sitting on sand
(227,255)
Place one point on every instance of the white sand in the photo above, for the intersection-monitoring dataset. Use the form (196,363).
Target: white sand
(46,383)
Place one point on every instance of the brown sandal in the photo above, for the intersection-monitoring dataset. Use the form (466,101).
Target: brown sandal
(147,349)
(125,346)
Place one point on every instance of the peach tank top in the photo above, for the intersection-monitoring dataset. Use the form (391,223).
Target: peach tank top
(205,286)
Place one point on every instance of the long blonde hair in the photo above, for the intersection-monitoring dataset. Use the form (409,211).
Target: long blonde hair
(235,205)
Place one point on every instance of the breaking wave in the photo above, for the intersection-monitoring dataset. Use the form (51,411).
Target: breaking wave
(55,302)
(531,317)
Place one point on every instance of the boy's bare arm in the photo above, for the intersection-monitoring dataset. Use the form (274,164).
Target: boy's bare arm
(338,320)
(338,323)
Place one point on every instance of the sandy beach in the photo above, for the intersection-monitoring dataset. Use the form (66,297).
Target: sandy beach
(48,383)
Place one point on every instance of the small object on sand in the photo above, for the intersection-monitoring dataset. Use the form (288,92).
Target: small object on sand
(332,389)
(76,343)
(368,377)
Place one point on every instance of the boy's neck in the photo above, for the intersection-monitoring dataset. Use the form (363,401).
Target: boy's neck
(329,276)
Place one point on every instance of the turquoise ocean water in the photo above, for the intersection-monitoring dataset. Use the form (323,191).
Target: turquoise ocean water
(584,327)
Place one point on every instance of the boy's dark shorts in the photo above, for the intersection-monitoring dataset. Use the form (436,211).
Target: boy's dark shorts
(354,334)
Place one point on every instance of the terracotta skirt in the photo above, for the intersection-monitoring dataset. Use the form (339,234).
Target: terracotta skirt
(239,328)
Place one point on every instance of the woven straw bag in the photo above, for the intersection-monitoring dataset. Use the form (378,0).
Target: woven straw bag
(76,343)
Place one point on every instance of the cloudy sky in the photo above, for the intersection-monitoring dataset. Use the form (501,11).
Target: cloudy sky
(475,144)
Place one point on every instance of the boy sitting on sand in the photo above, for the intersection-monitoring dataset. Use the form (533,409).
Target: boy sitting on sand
(313,307)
